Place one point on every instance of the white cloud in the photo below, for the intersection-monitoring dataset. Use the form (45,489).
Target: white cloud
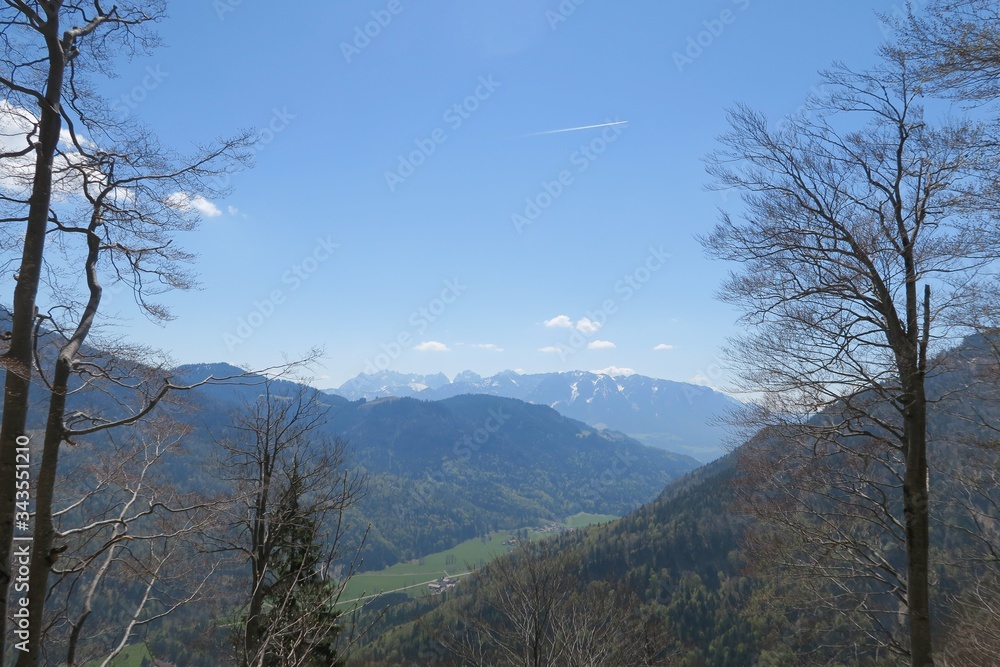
(15,125)
(185,202)
(601,345)
(663,346)
(66,138)
(232,210)
(560,321)
(432,346)
(702,380)
(205,207)
(586,325)
(489,346)
(614,371)
(551,349)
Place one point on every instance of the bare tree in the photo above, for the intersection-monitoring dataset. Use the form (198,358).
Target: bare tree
(602,626)
(955,44)
(292,487)
(522,596)
(975,632)
(125,528)
(527,611)
(38,62)
(829,539)
(972,497)
(129,213)
(853,212)
(112,198)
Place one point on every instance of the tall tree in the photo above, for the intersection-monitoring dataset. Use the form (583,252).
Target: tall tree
(291,488)
(113,198)
(955,46)
(299,618)
(39,52)
(864,236)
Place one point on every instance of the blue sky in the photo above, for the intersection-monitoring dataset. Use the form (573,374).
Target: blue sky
(407,209)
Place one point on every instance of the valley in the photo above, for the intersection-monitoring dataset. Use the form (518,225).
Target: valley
(412,578)
(507,333)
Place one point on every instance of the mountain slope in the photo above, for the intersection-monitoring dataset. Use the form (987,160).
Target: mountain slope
(439,472)
(678,553)
(684,555)
(671,415)
(449,470)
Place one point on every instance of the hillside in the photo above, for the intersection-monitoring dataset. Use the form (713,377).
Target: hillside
(679,554)
(439,472)
(676,416)
(444,471)
(684,555)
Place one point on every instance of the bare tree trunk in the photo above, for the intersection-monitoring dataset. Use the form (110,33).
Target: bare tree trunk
(55,431)
(259,560)
(916,504)
(44,532)
(915,509)
(18,359)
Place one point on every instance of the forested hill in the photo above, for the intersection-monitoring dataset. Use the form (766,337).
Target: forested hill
(449,470)
(440,472)
(676,416)
(684,555)
(678,553)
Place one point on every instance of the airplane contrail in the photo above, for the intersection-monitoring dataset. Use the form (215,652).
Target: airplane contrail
(575,129)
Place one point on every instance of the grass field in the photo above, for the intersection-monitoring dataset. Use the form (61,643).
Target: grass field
(583,519)
(412,578)
(132,656)
(407,576)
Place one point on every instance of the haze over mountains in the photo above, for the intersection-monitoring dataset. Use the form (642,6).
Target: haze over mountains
(443,471)
(676,416)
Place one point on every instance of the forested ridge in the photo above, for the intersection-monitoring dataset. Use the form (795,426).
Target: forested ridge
(213,514)
(686,557)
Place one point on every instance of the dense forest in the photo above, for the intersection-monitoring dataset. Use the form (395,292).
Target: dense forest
(689,559)
(211,514)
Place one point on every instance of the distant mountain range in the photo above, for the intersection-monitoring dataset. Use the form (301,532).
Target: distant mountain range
(685,553)
(676,416)
(439,472)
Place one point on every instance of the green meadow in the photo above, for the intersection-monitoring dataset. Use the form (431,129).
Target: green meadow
(412,578)
(136,655)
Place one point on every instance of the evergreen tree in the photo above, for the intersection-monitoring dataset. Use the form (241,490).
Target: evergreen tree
(299,600)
